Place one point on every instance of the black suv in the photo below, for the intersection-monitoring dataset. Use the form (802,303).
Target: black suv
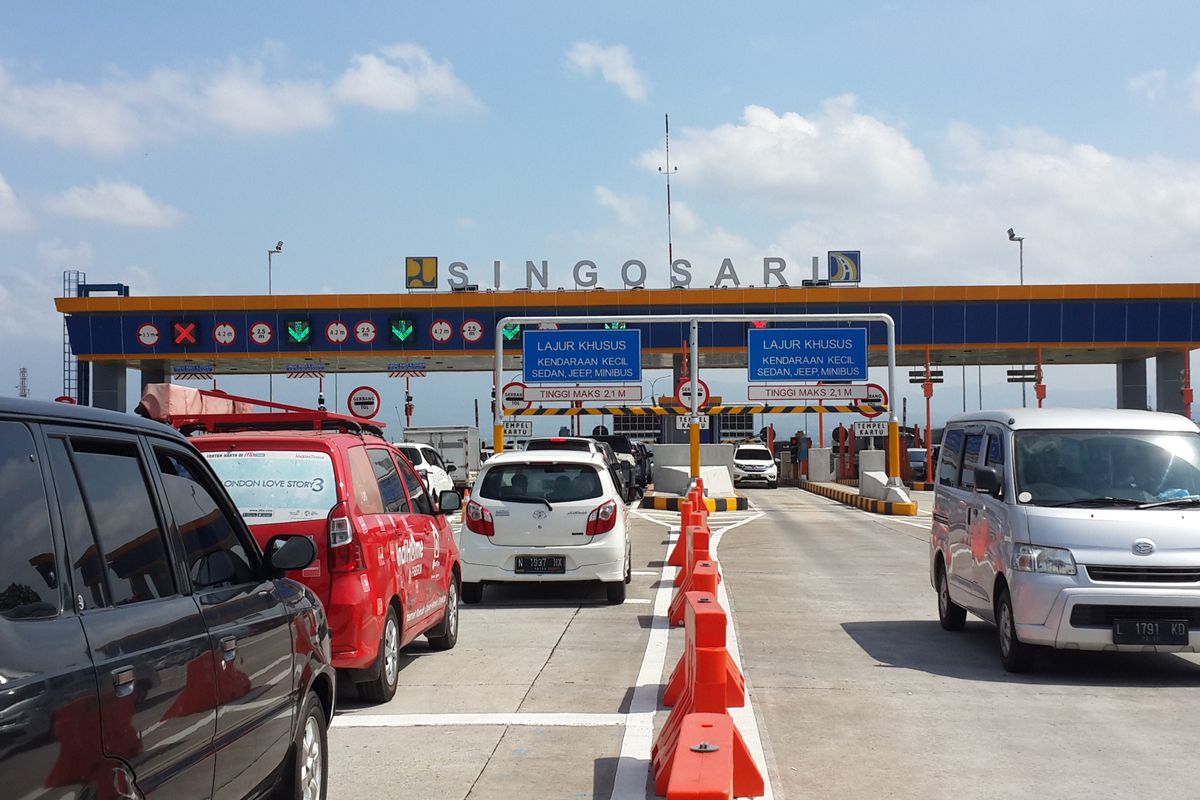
(147,647)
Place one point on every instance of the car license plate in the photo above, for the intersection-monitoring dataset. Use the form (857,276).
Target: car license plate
(541,564)
(1150,631)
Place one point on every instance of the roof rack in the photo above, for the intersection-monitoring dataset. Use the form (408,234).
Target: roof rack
(227,415)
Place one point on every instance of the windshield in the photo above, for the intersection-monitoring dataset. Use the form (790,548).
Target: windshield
(277,486)
(413,454)
(1119,467)
(620,444)
(753,454)
(529,483)
(916,455)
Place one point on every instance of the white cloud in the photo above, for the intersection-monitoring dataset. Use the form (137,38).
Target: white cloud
(630,209)
(840,178)
(1149,85)
(121,112)
(13,216)
(115,203)
(615,65)
(403,77)
(1194,89)
(59,255)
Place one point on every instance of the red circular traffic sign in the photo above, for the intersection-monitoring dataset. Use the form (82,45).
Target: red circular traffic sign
(518,395)
(440,331)
(882,393)
(683,393)
(365,332)
(148,334)
(363,402)
(472,330)
(337,332)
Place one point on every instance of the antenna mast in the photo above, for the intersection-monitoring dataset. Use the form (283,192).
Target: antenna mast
(667,172)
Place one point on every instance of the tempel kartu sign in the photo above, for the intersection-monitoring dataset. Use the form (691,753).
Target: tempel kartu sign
(575,356)
(807,354)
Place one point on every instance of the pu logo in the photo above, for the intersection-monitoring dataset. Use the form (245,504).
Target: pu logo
(421,273)
(845,266)
(410,552)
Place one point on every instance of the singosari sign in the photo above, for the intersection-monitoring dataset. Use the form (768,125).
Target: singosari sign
(585,274)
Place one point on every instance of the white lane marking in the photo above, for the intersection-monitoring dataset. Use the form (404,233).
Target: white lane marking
(543,720)
(645,572)
(638,600)
(633,766)
(921,525)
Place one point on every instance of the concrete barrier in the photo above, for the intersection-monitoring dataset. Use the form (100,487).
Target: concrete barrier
(820,464)
(852,498)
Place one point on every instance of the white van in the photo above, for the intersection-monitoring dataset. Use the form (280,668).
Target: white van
(1073,529)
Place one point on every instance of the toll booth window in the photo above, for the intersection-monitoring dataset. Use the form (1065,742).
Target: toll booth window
(28,570)
(123,517)
(215,554)
(948,463)
(87,568)
(392,491)
(974,444)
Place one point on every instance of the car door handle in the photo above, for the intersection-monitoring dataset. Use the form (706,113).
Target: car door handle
(123,681)
(229,648)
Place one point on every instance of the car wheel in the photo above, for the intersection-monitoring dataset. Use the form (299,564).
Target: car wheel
(307,777)
(1015,655)
(445,635)
(383,688)
(950,614)
(773,485)
(616,593)
(471,593)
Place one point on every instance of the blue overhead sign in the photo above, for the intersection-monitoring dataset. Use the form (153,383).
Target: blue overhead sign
(807,354)
(575,356)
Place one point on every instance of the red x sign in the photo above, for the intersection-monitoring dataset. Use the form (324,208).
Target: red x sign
(184,332)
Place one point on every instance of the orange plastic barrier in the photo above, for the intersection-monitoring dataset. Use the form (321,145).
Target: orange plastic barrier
(711,761)
(707,635)
(705,682)
(695,548)
(685,519)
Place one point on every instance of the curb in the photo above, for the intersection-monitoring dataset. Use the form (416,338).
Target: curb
(916,486)
(865,503)
(670,502)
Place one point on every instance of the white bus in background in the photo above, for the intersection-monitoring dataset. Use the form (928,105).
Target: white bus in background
(458,446)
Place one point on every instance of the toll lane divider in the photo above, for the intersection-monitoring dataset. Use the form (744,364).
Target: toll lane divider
(851,497)
(916,486)
(699,753)
(670,502)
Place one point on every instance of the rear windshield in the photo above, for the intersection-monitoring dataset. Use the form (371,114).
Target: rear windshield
(532,483)
(620,444)
(413,454)
(753,454)
(565,444)
(271,486)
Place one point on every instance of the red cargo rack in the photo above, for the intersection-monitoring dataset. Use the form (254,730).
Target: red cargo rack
(187,410)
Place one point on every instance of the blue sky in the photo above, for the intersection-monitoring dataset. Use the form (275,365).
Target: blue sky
(167,146)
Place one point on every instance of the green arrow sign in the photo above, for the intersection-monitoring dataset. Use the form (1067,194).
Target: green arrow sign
(299,331)
(511,332)
(614,326)
(402,329)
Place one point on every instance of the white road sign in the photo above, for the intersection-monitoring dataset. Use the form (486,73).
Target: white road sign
(870,429)
(261,333)
(337,332)
(148,334)
(843,394)
(518,428)
(683,422)
(363,402)
(563,394)
(441,331)
(684,393)
(365,332)
(224,334)
(514,395)
(472,330)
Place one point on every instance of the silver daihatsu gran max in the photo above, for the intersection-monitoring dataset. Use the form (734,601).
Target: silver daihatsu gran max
(1073,529)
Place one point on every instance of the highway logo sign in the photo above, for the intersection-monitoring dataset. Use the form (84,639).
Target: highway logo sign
(683,393)
(363,402)
(582,356)
(845,266)
(224,334)
(421,273)
(514,395)
(472,330)
(261,333)
(807,354)
(440,331)
(337,332)
(365,332)
(148,334)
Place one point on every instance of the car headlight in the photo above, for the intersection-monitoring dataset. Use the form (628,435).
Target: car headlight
(1047,560)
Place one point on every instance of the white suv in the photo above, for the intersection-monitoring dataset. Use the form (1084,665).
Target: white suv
(753,463)
(543,516)
(429,465)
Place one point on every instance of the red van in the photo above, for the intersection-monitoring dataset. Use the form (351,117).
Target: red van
(387,568)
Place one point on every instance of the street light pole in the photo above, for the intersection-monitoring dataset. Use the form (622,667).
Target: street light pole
(278,249)
(1020,240)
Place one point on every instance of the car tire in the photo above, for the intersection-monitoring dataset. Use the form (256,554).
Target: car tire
(306,775)
(616,592)
(1015,655)
(383,687)
(773,485)
(445,635)
(952,616)
(471,593)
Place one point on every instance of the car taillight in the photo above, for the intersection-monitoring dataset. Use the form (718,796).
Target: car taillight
(344,552)
(602,519)
(479,520)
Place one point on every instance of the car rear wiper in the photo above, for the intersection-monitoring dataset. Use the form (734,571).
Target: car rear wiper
(1190,500)
(523,498)
(1111,501)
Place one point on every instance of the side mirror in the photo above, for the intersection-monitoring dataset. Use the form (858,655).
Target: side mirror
(287,553)
(450,468)
(987,481)
(449,501)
